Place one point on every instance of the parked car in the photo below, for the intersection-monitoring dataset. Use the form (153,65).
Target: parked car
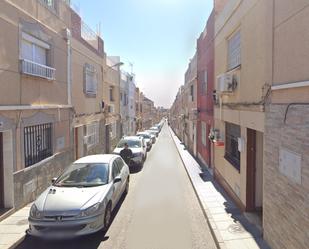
(80,201)
(147,139)
(154,130)
(138,147)
(152,135)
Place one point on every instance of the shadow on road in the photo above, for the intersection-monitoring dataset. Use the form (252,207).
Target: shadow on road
(85,242)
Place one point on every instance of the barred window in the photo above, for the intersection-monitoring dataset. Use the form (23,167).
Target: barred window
(232,133)
(37,143)
(90,80)
(234,51)
(92,132)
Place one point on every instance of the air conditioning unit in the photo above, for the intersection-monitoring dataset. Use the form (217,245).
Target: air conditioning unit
(225,83)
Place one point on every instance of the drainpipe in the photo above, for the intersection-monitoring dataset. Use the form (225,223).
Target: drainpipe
(69,68)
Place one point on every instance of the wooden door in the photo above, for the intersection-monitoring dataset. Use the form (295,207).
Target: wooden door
(251,169)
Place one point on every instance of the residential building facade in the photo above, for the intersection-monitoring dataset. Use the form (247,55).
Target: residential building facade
(190,105)
(286,153)
(242,72)
(111,92)
(35,108)
(205,86)
(87,56)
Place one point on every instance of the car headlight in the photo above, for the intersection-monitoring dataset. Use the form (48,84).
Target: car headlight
(35,213)
(91,211)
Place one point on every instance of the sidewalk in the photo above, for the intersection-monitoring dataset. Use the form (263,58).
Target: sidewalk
(12,229)
(231,230)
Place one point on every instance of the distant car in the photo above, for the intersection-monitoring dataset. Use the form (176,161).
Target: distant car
(152,135)
(154,132)
(81,200)
(138,147)
(154,128)
(147,139)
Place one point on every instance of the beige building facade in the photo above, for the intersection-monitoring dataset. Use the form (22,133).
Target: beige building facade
(243,75)
(35,109)
(111,92)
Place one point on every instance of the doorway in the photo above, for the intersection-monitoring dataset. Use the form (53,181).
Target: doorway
(251,168)
(1,173)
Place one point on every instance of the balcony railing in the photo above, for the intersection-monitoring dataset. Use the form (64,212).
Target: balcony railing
(36,69)
(89,35)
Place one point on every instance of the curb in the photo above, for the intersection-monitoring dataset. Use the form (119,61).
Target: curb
(220,245)
(17,242)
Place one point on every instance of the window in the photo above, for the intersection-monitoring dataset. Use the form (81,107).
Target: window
(120,163)
(34,57)
(51,4)
(204,133)
(37,143)
(234,51)
(113,131)
(33,49)
(92,134)
(205,83)
(111,93)
(232,133)
(90,80)
(125,99)
(192,92)
(115,170)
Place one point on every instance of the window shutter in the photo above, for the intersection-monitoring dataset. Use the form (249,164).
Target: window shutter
(39,55)
(26,50)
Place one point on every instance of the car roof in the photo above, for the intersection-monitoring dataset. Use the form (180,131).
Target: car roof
(100,158)
(132,138)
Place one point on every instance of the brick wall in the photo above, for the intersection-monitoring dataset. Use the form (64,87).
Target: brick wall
(286,203)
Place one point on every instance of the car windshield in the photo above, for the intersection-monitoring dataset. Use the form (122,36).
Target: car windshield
(84,175)
(131,143)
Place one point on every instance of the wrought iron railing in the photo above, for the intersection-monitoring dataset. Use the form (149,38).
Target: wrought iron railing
(36,69)
(89,35)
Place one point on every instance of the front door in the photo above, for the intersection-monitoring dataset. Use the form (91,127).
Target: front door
(1,173)
(251,169)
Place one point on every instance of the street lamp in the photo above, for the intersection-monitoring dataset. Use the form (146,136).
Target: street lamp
(119,64)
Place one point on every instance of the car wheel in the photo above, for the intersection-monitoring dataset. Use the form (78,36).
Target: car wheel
(107,216)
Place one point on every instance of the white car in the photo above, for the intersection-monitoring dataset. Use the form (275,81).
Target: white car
(152,135)
(147,139)
(154,129)
(81,200)
(138,147)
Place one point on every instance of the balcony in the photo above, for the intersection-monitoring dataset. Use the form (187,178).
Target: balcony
(38,70)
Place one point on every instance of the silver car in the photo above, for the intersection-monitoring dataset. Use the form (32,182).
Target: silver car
(81,200)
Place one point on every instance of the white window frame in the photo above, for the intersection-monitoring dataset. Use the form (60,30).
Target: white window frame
(234,50)
(35,43)
(113,130)
(92,134)
(90,80)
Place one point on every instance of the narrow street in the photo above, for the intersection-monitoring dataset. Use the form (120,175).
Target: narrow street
(161,210)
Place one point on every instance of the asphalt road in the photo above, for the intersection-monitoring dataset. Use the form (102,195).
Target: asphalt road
(161,210)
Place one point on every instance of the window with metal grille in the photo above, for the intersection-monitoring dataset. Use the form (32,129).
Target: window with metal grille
(232,133)
(92,134)
(192,93)
(37,143)
(90,80)
(234,51)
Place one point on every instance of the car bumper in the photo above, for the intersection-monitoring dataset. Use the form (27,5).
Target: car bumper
(65,229)
(137,160)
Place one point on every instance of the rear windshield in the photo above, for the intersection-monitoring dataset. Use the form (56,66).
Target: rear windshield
(131,143)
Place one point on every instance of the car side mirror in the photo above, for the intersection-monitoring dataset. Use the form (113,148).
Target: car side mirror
(117,179)
(53,180)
